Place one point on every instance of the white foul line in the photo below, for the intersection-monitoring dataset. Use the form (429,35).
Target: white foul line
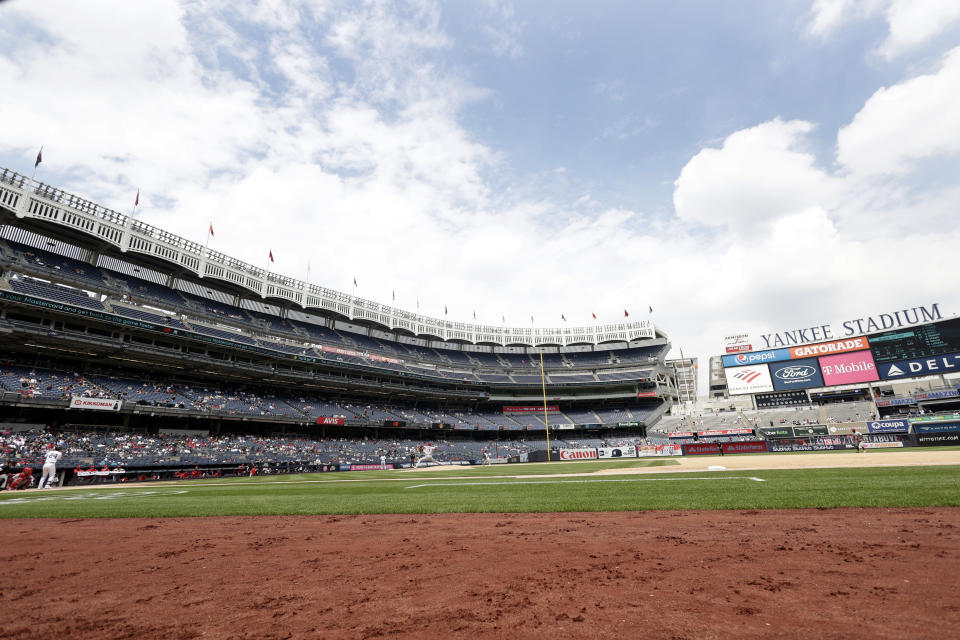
(519,481)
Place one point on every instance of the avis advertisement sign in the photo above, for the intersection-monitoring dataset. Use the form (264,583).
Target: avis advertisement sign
(796,374)
(97,404)
(756,357)
(578,454)
(848,368)
(920,366)
(755,379)
(334,421)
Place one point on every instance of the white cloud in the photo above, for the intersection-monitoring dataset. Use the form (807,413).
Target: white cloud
(915,119)
(334,136)
(758,176)
(910,23)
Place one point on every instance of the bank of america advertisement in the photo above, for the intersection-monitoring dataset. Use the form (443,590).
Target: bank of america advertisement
(755,379)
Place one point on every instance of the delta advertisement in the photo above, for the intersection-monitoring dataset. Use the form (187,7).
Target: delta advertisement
(755,379)
(920,367)
(848,368)
(796,374)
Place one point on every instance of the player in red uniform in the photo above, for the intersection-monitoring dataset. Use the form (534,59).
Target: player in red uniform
(21,480)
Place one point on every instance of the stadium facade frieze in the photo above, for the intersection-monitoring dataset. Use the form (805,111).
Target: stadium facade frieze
(63,214)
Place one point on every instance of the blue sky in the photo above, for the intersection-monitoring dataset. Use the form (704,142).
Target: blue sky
(749,166)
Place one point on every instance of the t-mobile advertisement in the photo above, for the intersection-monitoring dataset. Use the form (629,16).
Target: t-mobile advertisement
(848,368)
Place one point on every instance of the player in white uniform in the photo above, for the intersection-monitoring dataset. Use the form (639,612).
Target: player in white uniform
(486,456)
(427,456)
(383,462)
(49,468)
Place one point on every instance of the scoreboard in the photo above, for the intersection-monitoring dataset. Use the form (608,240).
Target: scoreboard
(923,341)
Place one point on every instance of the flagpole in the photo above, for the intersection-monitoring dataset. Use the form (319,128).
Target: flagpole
(207,245)
(546,423)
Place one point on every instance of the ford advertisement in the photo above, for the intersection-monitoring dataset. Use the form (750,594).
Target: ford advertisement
(796,374)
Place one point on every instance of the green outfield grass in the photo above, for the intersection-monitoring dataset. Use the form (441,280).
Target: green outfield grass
(493,489)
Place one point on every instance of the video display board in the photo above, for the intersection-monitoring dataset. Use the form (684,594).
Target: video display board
(911,343)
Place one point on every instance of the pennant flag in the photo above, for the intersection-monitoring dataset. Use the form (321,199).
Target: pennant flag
(39,158)
(394,292)
(354,280)
(594,315)
(651,309)
(211,231)
(531,319)
(503,318)
(418,304)
(563,317)
(137,201)
(474,314)
(625,314)
(444,309)
(271,255)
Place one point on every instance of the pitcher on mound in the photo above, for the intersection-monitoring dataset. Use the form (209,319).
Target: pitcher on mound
(426,454)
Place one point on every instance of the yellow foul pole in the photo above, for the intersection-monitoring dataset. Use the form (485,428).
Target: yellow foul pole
(546,423)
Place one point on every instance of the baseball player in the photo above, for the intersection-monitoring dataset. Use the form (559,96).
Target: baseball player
(21,480)
(383,462)
(857,440)
(49,468)
(427,456)
(486,456)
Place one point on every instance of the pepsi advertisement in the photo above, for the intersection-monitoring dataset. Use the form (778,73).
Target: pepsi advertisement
(756,357)
(796,374)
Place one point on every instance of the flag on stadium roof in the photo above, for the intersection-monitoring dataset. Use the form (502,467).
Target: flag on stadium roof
(444,309)
(137,200)
(354,280)
(394,293)
(594,315)
(474,314)
(39,157)
(211,230)
(626,314)
(651,309)
(563,317)
(271,255)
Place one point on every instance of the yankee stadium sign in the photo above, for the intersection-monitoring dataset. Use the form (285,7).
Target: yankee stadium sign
(856,326)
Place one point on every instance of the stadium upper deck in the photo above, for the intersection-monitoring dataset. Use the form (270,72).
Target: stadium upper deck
(64,216)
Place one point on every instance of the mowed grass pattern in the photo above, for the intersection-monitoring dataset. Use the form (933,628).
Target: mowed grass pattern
(494,489)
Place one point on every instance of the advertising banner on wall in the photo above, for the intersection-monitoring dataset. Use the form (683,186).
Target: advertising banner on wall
(848,368)
(936,395)
(796,374)
(578,454)
(920,366)
(330,420)
(754,379)
(935,427)
(888,426)
(651,450)
(756,357)
(531,409)
(938,439)
(775,432)
(805,430)
(827,348)
(97,404)
(617,452)
(782,399)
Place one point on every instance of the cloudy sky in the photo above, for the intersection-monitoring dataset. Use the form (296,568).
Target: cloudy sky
(738,166)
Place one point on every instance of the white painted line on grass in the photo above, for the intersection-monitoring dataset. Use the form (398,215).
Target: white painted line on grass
(520,481)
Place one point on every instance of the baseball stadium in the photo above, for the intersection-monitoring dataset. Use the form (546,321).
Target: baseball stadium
(243,454)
